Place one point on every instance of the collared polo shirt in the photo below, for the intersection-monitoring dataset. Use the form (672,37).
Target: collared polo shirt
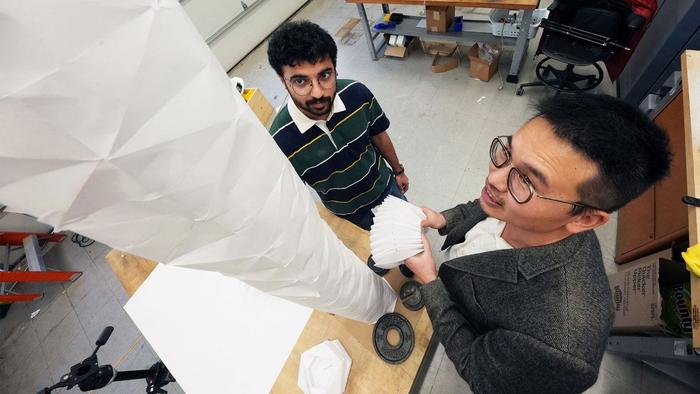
(336,157)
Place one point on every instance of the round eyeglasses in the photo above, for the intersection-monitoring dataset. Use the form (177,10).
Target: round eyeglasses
(519,185)
(303,86)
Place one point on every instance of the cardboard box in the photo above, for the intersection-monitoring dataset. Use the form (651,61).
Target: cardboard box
(439,18)
(259,104)
(397,50)
(636,292)
(446,55)
(439,48)
(479,68)
(393,51)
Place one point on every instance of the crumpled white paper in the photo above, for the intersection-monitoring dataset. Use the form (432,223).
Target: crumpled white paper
(324,369)
(119,123)
(396,232)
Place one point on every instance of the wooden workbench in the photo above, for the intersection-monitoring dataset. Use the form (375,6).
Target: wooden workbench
(369,374)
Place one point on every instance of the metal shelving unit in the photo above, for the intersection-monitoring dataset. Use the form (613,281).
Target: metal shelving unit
(672,356)
(472,31)
(677,357)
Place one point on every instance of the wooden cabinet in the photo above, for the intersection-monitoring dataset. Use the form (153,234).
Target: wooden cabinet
(651,222)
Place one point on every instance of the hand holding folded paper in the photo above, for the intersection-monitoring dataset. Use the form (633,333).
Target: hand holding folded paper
(396,232)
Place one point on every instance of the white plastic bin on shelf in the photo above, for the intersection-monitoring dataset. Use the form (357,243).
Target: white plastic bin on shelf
(505,24)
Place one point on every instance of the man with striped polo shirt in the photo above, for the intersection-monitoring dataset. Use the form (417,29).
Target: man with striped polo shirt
(333,131)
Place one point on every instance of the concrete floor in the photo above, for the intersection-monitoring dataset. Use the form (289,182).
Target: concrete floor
(37,351)
(441,125)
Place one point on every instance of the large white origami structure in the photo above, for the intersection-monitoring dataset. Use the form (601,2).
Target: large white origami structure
(118,123)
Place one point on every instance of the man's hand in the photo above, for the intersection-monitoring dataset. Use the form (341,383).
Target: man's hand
(402,181)
(433,219)
(422,264)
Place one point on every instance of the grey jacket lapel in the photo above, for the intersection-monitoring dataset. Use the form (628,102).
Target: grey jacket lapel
(498,264)
(540,259)
(505,264)
(460,220)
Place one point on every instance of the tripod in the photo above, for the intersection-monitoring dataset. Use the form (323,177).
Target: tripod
(89,375)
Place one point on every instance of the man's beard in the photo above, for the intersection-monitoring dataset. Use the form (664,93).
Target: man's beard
(308,106)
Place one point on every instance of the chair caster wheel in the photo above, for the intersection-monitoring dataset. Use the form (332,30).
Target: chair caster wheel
(520,91)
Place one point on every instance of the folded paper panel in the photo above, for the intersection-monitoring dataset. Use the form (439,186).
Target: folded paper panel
(132,124)
(396,232)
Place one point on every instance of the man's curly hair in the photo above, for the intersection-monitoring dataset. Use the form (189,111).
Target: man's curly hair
(298,42)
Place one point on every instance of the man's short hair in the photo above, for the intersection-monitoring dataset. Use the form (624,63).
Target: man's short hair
(294,43)
(629,149)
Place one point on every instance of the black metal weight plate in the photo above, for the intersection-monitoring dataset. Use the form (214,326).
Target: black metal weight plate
(411,296)
(393,354)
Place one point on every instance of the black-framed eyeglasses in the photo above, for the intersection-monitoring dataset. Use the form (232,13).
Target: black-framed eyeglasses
(303,86)
(519,185)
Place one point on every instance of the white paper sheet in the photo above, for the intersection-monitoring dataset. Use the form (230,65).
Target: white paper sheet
(215,333)
(118,123)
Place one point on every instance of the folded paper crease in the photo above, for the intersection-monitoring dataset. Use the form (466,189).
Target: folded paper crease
(120,124)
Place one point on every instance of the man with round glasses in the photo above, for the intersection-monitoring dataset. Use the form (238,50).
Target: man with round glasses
(332,130)
(522,302)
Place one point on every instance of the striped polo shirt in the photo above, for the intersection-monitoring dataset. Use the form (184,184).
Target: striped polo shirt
(340,163)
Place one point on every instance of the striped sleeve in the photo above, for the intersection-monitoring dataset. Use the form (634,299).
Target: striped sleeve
(378,122)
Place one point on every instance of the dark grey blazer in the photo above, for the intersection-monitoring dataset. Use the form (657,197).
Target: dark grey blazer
(528,320)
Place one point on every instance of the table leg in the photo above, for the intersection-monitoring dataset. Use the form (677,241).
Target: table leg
(368,32)
(424,364)
(520,47)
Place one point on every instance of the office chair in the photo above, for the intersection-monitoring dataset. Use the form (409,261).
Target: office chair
(582,33)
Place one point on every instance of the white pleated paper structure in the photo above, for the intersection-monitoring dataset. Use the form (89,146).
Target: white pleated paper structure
(119,123)
(396,232)
(324,369)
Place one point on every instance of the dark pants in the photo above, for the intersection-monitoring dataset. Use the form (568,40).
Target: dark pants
(364,217)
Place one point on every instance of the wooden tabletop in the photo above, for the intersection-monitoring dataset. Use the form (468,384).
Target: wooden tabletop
(368,374)
(508,4)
